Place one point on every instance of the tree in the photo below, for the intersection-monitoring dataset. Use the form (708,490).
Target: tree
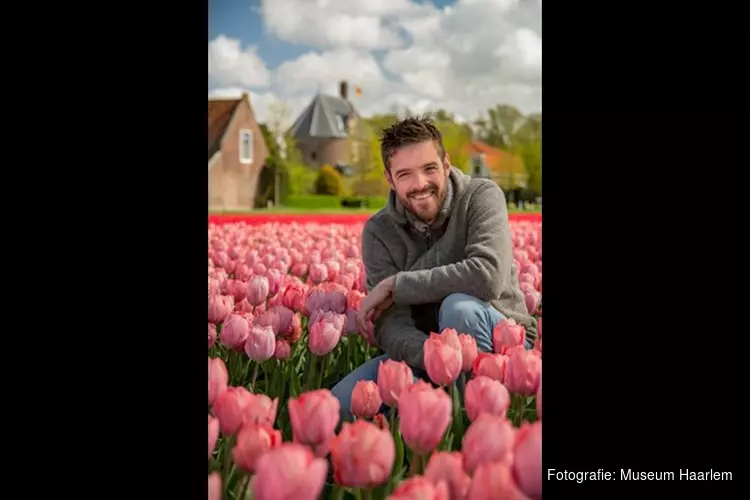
(456,138)
(531,154)
(501,127)
(329,182)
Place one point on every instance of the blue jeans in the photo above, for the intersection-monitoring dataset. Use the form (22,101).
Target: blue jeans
(462,312)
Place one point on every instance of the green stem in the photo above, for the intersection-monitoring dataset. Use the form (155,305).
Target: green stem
(227,455)
(243,489)
(357,494)
(255,376)
(311,372)
(247,371)
(323,369)
(520,407)
(367,494)
(418,464)
(338,492)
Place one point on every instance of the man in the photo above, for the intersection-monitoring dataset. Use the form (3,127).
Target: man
(439,255)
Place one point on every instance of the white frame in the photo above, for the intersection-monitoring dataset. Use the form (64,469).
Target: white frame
(249,133)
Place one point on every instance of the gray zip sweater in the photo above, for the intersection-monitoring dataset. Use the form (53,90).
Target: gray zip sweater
(468,249)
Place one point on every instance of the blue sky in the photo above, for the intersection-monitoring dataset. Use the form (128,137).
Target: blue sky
(416,54)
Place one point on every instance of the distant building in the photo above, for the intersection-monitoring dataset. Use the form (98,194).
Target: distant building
(329,131)
(236,154)
(492,163)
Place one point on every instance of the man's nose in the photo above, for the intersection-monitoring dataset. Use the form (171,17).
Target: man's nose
(420,182)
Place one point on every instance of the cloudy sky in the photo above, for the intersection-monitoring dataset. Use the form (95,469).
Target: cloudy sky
(460,55)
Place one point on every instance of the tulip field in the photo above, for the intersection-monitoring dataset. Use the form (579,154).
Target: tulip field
(282,331)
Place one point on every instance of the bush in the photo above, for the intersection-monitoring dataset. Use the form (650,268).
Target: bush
(329,181)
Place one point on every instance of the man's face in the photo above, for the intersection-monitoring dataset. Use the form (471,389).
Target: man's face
(418,176)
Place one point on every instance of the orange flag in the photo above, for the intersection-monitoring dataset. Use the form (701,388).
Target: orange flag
(358,91)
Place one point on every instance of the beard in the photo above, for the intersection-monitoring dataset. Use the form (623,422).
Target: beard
(424,204)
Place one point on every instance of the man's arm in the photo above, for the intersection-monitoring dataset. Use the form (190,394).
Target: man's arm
(485,271)
(395,331)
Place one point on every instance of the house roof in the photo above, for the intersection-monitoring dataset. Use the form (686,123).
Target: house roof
(220,112)
(320,118)
(498,162)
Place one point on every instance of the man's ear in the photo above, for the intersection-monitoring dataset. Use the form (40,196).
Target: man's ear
(388,177)
(447,162)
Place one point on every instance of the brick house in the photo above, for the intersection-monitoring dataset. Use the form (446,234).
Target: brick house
(236,154)
(329,131)
(504,168)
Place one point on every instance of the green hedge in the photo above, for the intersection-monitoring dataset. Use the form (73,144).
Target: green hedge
(321,201)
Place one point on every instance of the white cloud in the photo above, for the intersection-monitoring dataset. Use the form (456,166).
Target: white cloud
(464,58)
(355,24)
(323,70)
(228,64)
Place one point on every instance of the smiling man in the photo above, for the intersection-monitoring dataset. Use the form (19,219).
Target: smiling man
(438,256)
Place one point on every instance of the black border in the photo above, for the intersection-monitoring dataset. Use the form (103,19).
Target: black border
(640,363)
(127,197)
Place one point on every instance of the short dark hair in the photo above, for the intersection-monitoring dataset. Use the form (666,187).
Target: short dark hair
(407,132)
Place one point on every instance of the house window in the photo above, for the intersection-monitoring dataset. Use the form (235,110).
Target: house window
(246,146)
(340,123)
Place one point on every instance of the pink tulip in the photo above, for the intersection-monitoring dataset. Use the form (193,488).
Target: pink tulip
(362,455)
(318,273)
(532,301)
(234,288)
(468,351)
(261,343)
(260,409)
(214,486)
(523,372)
(314,416)
(488,439)
(507,334)
(485,395)
(279,318)
(494,480)
(257,290)
(293,296)
(274,281)
(420,488)
(366,400)
(253,440)
(393,378)
(490,365)
(213,434)
(218,378)
(234,332)
(303,475)
(211,335)
(325,332)
(443,357)
(417,406)
(283,351)
(527,460)
(229,408)
(326,297)
(539,402)
(219,306)
(448,467)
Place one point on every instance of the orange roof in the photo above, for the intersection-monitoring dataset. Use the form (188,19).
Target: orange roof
(220,112)
(497,160)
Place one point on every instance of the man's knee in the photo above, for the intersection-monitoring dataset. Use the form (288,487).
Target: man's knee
(470,315)
(460,308)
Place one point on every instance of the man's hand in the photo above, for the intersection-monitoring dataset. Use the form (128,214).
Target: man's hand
(378,300)
(382,308)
